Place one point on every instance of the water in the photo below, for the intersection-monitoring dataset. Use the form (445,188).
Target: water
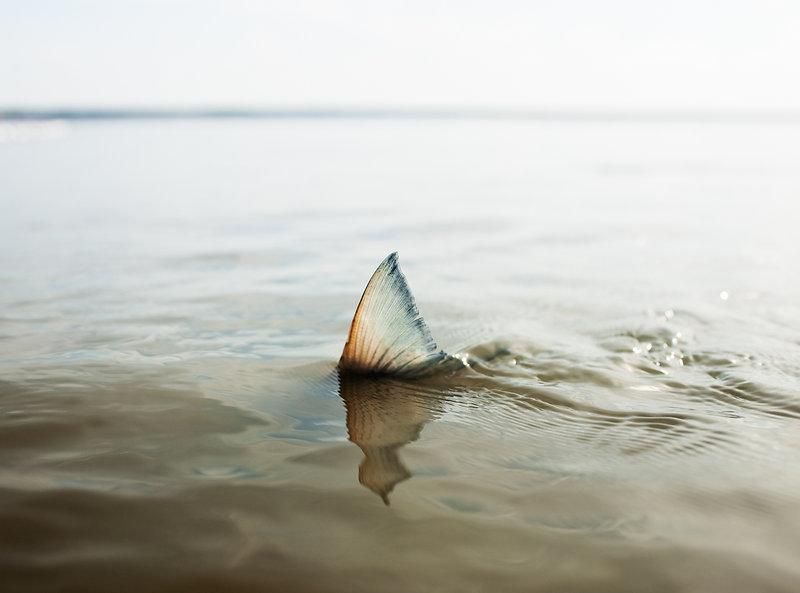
(175,296)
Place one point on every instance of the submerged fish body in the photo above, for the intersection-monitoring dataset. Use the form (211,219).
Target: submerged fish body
(388,336)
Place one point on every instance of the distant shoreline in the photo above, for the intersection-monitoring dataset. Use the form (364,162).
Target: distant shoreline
(677,116)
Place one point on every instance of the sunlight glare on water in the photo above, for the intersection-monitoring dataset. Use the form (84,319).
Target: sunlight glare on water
(175,297)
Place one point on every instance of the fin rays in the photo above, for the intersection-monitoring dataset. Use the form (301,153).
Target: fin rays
(388,335)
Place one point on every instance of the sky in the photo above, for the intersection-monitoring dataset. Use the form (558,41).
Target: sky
(567,54)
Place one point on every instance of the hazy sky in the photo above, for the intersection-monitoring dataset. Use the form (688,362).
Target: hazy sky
(618,54)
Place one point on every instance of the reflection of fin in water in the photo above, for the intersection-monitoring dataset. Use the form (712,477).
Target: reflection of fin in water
(383,416)
(388,336)
(382,470)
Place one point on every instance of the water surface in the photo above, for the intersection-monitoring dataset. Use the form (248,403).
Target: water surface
(174,297)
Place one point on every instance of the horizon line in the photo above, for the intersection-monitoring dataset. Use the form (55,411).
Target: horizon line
(408,113)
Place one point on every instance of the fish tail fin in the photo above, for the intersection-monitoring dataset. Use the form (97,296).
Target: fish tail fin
(388,335)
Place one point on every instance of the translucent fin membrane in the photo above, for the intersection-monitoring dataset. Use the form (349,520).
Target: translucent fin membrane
(388,335)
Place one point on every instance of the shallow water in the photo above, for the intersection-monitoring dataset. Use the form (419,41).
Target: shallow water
(175,296)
